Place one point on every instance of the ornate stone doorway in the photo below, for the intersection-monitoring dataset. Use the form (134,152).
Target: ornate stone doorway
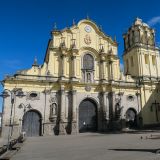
(131,118)
(32,123)
(87,116)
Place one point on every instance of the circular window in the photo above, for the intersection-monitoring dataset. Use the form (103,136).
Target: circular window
(130,98)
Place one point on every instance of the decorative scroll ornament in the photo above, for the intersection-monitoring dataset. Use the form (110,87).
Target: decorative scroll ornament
(87,39)
(53,100)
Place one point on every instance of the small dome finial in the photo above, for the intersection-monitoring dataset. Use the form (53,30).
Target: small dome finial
(87,16)
(100,27)
(115,38)
(73,22)
(138,21)
(35,62)
(55,26)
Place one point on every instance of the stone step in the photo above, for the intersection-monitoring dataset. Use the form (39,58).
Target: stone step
(8,155)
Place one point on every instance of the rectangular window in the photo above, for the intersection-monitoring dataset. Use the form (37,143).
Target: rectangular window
(153,60)
(146,59)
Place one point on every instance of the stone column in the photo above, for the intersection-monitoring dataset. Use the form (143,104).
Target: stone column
(107,107)
(106,70)
(73,58)
(102,67)
(157,65)
(62,124)
(74,112)
(105,110)
(113,106)
(139,117)
(102,70)
(62,65)
(111,69)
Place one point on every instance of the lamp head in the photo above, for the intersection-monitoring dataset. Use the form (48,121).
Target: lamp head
(4,94)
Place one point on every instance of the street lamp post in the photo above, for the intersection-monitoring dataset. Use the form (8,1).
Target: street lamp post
(13,93)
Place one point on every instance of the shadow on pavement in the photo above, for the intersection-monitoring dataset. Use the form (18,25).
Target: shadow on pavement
(138,150)
(128,131)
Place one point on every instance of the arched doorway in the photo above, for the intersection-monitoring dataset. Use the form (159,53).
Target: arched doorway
(32,123)
(131,118)
(87,116)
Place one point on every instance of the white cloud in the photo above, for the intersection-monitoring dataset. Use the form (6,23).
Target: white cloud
(154,21)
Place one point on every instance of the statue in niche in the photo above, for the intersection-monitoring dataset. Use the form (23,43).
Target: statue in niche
(53,112)
(53,109)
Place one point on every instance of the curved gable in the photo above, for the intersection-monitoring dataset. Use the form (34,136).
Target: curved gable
(90,23)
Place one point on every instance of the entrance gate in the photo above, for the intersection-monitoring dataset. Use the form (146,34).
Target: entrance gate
(31,123)
(87,116)
(131,118)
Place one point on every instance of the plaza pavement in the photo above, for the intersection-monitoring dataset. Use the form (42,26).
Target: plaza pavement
(91,146)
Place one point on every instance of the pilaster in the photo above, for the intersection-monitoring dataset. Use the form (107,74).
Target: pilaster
(105,106)
(73,58)
(74,52)
(112,106)
(139,119)
(111,70)
(62,123)
(74,112)
(62,65)
(102,65)
(102,68)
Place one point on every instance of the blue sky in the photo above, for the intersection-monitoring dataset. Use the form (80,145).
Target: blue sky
(25,25)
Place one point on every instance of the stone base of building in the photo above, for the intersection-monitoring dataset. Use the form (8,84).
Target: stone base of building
(74,128)
(105,126)
(115,125)
(15,131)
(62,128)
(50,129)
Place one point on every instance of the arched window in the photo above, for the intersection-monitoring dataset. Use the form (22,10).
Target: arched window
(88,68)
(88,62)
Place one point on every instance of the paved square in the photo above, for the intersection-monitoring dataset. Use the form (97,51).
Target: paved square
(91,146)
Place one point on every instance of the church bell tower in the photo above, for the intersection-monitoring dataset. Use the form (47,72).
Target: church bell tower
(141,56)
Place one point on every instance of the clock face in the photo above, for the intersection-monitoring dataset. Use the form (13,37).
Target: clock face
(87,29)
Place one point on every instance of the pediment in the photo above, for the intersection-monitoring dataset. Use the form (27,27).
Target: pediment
(88,23)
